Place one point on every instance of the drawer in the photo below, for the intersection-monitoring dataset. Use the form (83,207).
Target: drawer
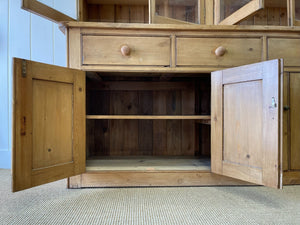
(201,51)
(144,51)
(288,49)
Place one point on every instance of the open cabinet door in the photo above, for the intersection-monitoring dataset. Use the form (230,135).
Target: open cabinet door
(48,123)
(36,7)
(246,123)
(230,12)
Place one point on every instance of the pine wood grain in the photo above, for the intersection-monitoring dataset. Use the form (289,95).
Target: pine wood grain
(295,120)
(52,135)
(242,13)
(103,50)
(233,155)
(281,48)
(201,51)
(45,11)
(148,179)
(48,101)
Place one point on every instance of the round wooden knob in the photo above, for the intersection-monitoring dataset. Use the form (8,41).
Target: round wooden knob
(220,51)
(125,50)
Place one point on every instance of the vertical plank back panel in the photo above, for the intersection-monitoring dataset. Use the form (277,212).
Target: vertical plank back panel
(159,127)
(295,120)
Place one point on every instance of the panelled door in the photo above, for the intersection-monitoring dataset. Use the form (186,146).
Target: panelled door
(48,123)
(247,123)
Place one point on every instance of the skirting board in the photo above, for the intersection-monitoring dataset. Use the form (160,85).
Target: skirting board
(291,177)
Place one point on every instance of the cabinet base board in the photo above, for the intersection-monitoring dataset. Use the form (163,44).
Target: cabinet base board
(150,179)
(291,177)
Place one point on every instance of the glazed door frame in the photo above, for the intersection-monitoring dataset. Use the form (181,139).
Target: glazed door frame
(40,9)
(247,10)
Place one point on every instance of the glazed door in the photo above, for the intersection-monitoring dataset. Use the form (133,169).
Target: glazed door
(294,7)
(48,123)
(177,11)
(41,9)
(229,12)
(247,123)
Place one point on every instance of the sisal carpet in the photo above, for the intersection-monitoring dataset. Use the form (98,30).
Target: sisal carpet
(54,204)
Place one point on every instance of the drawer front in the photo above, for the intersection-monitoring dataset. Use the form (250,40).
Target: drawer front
(201,51)
(288,49)
(144,51)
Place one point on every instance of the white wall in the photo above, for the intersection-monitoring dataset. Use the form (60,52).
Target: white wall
(25,35)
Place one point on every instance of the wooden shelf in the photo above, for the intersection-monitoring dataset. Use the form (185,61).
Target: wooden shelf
(147,117)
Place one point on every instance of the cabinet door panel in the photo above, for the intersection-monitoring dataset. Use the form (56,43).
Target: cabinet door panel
(246,123)
(49,123)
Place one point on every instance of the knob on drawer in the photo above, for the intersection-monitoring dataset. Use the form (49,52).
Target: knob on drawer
(125,50)
(220,51)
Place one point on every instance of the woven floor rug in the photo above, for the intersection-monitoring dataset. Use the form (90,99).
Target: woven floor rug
(55,204)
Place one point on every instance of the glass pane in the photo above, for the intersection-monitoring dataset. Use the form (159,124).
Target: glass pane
(297,7)
(185,10)
(227,7)
(67,7)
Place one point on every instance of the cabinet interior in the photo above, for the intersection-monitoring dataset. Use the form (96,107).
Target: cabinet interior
(188,10)
(137,11)
(116,11)
(297,9)
(148,121)
(133,11)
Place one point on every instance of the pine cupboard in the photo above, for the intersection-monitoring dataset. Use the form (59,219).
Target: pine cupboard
(161,105)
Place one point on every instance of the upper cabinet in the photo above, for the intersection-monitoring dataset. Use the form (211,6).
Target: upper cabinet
(130,11)
(181,11)
(114,11)
(176,11)
(257,12)
(218,12)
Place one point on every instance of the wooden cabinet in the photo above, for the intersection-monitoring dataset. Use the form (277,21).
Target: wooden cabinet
(149,124)
(218,12)
(160,105)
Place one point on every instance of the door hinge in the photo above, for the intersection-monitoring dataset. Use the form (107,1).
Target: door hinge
(24,69)
(274,104)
